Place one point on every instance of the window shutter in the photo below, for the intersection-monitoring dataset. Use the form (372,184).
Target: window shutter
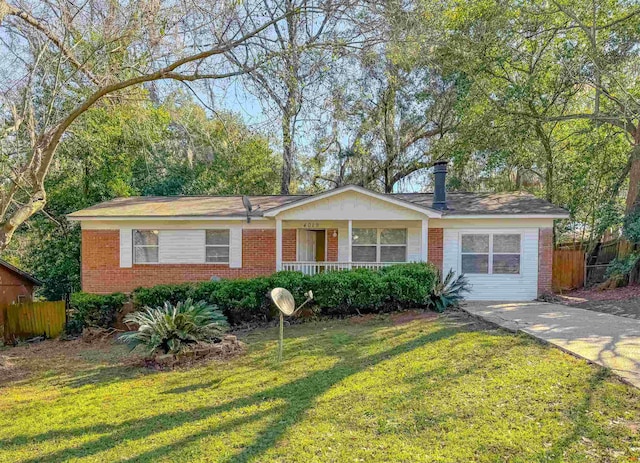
(343,245)
(235,246)
(126,248)
(414,245)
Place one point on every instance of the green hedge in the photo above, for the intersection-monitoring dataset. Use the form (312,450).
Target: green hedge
(93,310)
(335,293)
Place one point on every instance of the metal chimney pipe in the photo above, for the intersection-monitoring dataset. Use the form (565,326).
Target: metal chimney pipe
(440,189)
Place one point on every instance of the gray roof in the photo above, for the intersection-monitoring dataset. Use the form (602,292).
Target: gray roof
(487,203)
(231,206)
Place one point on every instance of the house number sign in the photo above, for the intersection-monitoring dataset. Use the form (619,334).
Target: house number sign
(311,225)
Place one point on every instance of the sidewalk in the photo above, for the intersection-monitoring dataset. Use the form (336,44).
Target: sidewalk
(608,340)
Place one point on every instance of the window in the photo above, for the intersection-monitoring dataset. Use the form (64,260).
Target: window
(490,253)
(379,245)
(506,254)
(217,246)
(145,246)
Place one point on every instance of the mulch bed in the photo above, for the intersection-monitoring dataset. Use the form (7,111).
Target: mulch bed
(624,302)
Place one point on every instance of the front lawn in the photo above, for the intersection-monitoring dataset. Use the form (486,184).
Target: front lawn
(364,389)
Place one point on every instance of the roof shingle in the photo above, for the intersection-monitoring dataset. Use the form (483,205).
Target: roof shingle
(232,206)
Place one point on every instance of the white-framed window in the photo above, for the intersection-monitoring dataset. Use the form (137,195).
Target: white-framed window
(490,253)
(145,246)
(217,246)
(379,245)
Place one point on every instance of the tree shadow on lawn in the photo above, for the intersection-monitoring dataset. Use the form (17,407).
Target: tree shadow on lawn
(298,397)
(579,417)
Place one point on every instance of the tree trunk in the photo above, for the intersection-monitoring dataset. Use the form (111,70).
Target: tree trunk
(634,175)
(548,151)
(287,153)
(7,228)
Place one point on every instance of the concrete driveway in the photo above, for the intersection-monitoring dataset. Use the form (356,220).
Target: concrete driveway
(608,340)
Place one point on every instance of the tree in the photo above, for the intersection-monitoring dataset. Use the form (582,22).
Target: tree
(304,46)
(64,59)
(609,38)
(532,74)
(137,148)
(392,108)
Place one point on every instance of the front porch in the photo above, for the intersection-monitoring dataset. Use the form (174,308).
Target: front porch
(314,247)
(350,227)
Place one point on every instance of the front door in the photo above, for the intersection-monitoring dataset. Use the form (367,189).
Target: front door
(320,245)
(306,245)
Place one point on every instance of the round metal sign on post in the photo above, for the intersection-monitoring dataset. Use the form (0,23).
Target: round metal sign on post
(283,300)
(286,304)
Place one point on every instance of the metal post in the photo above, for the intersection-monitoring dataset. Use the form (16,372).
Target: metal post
(281,341)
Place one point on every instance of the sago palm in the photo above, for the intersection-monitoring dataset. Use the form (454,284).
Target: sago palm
(171,329)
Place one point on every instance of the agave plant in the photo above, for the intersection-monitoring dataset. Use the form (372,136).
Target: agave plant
(448,292)
(170,329)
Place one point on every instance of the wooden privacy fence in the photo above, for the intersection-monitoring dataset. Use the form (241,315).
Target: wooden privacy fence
(34,319)
(568,269)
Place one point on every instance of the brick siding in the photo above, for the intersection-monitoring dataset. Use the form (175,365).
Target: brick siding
(289,249)
(545,261)
(332,245)
(434,246)
(101,272)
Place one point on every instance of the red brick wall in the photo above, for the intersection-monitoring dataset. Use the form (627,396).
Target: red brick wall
(332,245)
(289,250)
(101,272)
(545,260)
(434,246)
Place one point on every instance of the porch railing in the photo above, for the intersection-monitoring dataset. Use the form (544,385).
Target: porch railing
(311,268)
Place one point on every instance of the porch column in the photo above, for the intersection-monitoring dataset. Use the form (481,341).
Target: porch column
(349,241)
(424,252)
(278,244)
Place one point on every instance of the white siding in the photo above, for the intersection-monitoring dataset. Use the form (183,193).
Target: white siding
(126,247)
(351,205)
(181,246)
(235,242)
(414,245)
(522,287)
(343,245)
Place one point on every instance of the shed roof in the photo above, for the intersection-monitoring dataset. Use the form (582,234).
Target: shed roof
(20,273)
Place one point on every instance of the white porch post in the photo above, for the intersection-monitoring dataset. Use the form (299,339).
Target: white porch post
(278,244)
(424,252)
(349,241)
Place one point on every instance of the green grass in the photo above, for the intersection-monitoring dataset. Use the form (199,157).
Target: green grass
(346,392)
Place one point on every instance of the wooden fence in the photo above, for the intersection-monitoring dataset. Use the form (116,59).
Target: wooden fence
(34,319)
(568,269)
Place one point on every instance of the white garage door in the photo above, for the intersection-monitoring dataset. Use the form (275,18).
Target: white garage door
(500,264)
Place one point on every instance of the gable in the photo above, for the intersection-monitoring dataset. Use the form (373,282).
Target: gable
(351,204)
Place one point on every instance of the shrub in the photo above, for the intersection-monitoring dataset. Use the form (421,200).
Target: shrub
(410,283)
(621,267)
(156,296)
(242,300)
(448,292)
(93,310)
(348,292)
(336,293)
(172,329)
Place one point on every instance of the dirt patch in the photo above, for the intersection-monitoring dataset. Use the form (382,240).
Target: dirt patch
(201,353)
(624,302)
